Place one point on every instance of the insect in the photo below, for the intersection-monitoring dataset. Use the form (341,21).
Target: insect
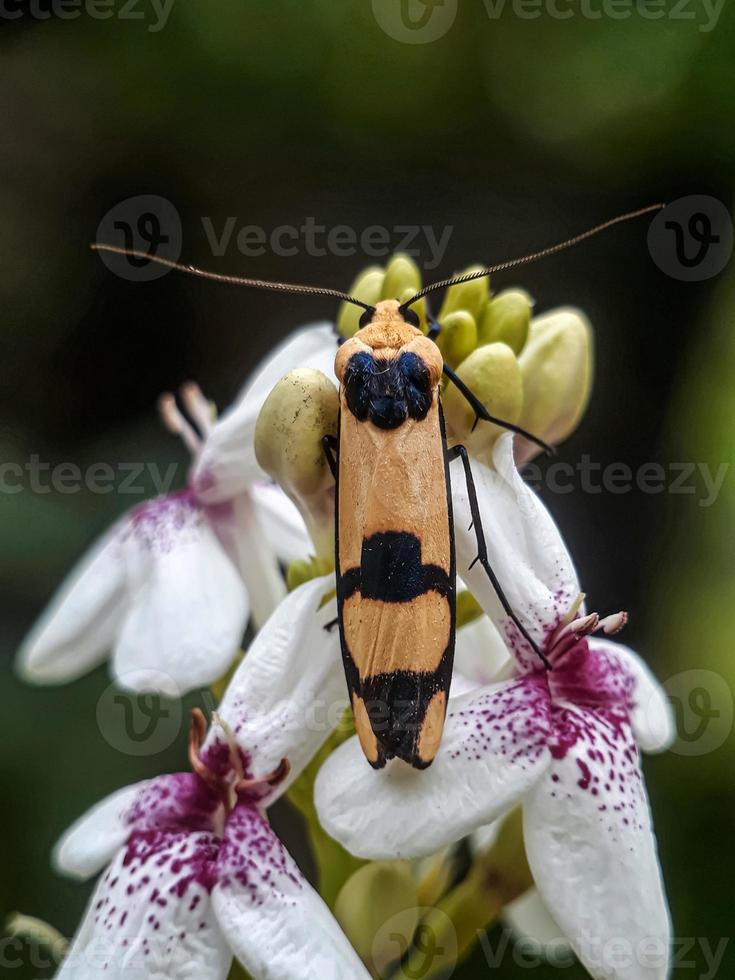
(395,559)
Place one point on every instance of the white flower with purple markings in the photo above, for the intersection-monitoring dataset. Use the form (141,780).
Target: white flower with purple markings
(562,742)
(169,589)
(194,873)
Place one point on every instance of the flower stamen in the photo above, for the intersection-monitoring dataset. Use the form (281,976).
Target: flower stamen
(272,779)
(201,411)
(197,733)
(235,757)
(176,423)
(613,624)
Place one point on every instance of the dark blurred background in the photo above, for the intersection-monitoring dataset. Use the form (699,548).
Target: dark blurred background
(512,133)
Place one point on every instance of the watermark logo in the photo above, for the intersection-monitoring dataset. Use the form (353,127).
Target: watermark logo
(146,223)
(415,21)
(429,949)
(702,703)
(691,239)
(140,724)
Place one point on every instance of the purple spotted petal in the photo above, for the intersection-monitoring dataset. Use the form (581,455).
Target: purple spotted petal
(151,914)
(589,676)
(276,923)
(493,751)
(176,802)
(592,850)
(651,714)
(92,841)
(187,605)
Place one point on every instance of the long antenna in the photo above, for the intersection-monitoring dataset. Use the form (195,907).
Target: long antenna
(524,260)
(192,270)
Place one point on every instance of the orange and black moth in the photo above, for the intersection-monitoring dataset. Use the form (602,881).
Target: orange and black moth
(395,561)
(395,558)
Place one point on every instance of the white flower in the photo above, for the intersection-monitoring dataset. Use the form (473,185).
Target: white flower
(561,742)
(227,465)
(195,874)
(169,589)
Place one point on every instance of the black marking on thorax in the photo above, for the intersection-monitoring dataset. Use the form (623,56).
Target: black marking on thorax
(387,391)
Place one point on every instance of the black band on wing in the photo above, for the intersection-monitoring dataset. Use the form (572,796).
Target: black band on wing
(391,570)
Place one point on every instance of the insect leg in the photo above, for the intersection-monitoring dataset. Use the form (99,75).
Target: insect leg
(329,445)
(459,452)
(482,413)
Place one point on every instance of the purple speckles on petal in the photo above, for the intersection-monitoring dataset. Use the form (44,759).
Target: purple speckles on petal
(176,802)
(157,525)
(174,862)
(590,677)
(143,910)
(597,747)
(253,860)
(217,757)
(512,720)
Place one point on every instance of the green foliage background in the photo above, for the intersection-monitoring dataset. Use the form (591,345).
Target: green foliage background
(515,133)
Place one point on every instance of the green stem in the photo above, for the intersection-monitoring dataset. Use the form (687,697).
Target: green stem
(450,930)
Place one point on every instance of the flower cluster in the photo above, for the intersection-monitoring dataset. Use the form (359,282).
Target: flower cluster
(192,874)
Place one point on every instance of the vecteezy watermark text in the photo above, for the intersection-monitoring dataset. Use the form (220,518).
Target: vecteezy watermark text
(424,21)
(705,13)
(125,478)
(315,239)
(701,481)
(154,13)
(698,480)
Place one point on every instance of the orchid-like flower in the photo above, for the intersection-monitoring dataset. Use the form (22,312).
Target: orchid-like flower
(194,873)
(169,588)
(563,743)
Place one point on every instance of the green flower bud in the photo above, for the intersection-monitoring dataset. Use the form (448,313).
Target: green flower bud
(401,274)
(419,307)
(458,337)
(506,318)
(295,417)
(494,375)
(496,877)
(468,609)
(376,895)
(367,287)
(556,365)
(471,296)
(303,570)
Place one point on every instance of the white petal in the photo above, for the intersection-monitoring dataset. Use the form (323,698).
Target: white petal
(479,652)
(151,916)
(524,546)
(592,851)
(277,925)
(651,714)
(245,539)
(227,464)
(493,750)
(283,524)
(172,802)
(92,840)
(289,692)
(77,630)
(188,607)
(531,921)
